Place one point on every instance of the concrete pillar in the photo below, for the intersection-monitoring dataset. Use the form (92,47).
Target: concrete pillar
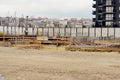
(82,31)
(76,31)
(42,31)
(94,32)
(70,32)
(59,32)
(53,31)
(64,32)
(107,32)
(114,33)
(101,32)
(88,31)
(48,31)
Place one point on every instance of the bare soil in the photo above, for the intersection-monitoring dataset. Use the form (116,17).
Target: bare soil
(31,64)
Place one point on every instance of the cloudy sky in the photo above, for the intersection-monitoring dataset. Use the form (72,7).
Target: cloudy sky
(47,8)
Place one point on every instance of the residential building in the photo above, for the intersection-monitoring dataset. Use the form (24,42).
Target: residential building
(107,13)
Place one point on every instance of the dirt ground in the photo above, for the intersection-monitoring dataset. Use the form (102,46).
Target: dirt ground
(30,64)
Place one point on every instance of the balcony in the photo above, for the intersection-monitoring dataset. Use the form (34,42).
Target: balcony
(94,5)
(94,19)
(94,12)
(100,4)
(100,18)
(109,12)
(100,11)
(109,5)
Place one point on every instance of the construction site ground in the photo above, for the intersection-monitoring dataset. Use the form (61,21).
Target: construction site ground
(58,64)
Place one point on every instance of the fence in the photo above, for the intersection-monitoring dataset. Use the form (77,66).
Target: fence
(63,32)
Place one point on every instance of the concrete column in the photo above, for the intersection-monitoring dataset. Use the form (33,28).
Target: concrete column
(64,32)
(59,32)
(70,32)
(107,32)
(4,30)
(114,33)
(53,31)
(11,31)
(82,31)
(33,31)
(94,32)
(101,32)
(42,31)
(76,31)
(88,31)
(48,31)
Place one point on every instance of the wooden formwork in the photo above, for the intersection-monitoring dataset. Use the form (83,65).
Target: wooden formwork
(100,49)
(93,47)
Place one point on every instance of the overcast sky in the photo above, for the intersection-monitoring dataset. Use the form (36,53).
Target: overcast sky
(47,8)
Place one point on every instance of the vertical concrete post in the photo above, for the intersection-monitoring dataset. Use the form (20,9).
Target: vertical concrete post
(65,32)
(53,31)
(33,30)
(88,31)
(4,30)
(94,32)
(76,31)
(18,30)
(114,33)
(59,32)
(101,32)
(107,32)
(11,31)
(70,32)
(82,31)
(22,30)
(8,26)
(37,32)
(48,31)
(42,31)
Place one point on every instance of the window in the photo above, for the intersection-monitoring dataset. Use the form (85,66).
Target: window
(109,9)
(108,2)
(109,23)
(109,17)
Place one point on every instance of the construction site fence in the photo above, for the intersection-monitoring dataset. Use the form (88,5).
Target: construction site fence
(63,32)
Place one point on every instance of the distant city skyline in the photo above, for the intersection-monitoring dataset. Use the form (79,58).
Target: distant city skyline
(47,8)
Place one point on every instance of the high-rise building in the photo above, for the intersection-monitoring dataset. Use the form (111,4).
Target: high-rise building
(107,13)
